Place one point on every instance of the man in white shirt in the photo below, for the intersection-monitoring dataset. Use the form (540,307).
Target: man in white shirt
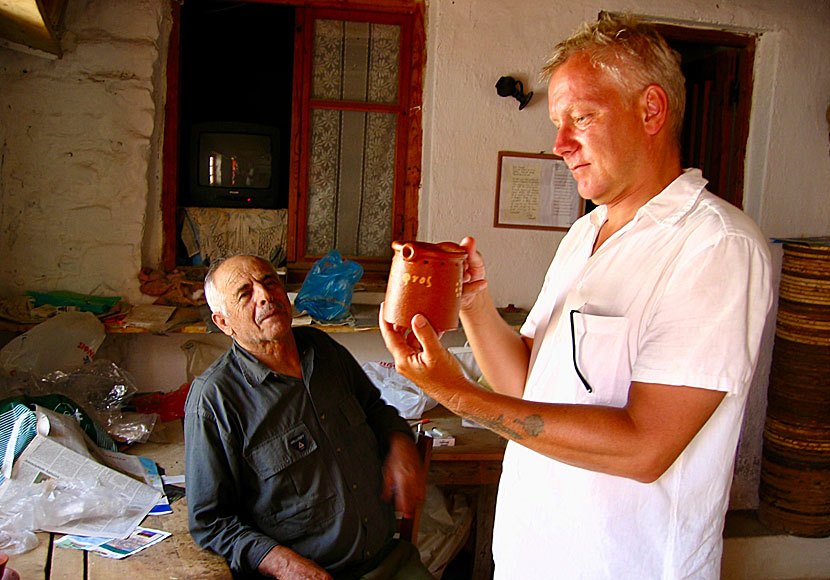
(624,393)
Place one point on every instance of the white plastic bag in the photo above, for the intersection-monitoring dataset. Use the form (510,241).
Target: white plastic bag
(64,342)
(200,355)
(398,391)
(465,357)
(445,526)
(52,505)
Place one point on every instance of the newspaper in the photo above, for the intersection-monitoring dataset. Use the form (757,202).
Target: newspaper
(140,468)
(60,452)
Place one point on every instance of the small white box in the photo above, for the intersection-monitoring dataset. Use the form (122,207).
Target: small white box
(441,438)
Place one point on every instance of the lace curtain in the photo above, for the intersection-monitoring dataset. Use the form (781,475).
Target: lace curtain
(352,161)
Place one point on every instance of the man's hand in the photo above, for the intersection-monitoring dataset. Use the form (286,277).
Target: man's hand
(421,358)
(286,564)
(474,273)
(404,477)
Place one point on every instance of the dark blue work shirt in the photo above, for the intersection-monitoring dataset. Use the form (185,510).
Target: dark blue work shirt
(274,460)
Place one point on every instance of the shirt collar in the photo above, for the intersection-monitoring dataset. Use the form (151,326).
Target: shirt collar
(668,206)
(255,372)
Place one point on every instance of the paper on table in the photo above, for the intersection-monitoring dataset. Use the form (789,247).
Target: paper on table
(173,479)
(48,457)
(141,538)
(66,431)
(142,469)
(152,317)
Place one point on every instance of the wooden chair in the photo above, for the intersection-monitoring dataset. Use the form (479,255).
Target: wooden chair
(408,527)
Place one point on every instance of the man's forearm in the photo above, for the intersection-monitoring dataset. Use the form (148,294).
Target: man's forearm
(500,352)
(639,441)
(285,564)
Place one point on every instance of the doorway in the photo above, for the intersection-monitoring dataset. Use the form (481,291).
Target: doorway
(718,68)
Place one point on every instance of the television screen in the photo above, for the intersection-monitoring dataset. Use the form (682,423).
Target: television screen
(231,160)
(234,165)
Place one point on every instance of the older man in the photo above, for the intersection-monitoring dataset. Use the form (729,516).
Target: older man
(291,455)
(624,393)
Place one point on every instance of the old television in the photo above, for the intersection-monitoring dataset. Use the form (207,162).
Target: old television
(234,165)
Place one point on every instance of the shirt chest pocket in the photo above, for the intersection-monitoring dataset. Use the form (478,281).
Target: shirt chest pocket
(601,355)
(299,494)
(351,430)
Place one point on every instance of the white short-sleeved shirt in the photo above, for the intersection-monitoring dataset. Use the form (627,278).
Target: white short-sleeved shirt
(679,296)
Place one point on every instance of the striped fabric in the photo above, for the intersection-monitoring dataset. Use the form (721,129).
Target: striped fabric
(18,426)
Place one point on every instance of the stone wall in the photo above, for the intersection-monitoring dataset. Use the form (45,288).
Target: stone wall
(77,153)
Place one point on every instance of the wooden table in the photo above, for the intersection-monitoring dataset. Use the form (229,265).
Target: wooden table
(475,460)
(177,557)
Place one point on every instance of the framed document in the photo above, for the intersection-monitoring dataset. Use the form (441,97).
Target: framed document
(535,191)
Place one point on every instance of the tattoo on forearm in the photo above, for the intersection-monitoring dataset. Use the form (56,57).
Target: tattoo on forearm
(498,426)
(533,425)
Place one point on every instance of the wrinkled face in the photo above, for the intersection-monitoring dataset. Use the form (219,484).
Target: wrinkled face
(600,132)
(258,307)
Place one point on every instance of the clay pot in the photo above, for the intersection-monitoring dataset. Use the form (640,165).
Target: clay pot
(7,573)
(425,278)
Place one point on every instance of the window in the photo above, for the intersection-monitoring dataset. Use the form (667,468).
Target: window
(355,129)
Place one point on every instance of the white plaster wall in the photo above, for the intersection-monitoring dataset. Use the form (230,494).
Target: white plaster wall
(472,43)
(160,363)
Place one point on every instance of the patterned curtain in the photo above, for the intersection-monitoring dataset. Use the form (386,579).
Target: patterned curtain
(352,158)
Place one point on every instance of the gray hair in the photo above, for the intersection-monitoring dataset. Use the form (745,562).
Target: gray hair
(215,299)
(633,54)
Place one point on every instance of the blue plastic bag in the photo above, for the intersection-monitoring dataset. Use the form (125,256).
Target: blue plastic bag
(326,293)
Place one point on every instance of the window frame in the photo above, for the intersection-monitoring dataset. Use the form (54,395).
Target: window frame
(408,13)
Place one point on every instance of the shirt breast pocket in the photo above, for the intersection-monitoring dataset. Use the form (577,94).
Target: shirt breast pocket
(351,424)
(601,355)
(300,497)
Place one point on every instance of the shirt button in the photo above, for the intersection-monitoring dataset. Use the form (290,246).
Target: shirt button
(338,449)
(354,486)
(323,417)
(365,520)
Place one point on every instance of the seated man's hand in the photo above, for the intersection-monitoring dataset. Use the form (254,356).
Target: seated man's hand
(404,477)
(287,564)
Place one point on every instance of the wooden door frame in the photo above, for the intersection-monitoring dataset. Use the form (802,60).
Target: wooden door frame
(746,43)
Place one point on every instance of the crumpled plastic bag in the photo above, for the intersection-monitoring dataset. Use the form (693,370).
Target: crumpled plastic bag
(444,529)
(103,389)
(200,355)
(24,509)
(18,426)
(326,293)
(64,342)
(398,391)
